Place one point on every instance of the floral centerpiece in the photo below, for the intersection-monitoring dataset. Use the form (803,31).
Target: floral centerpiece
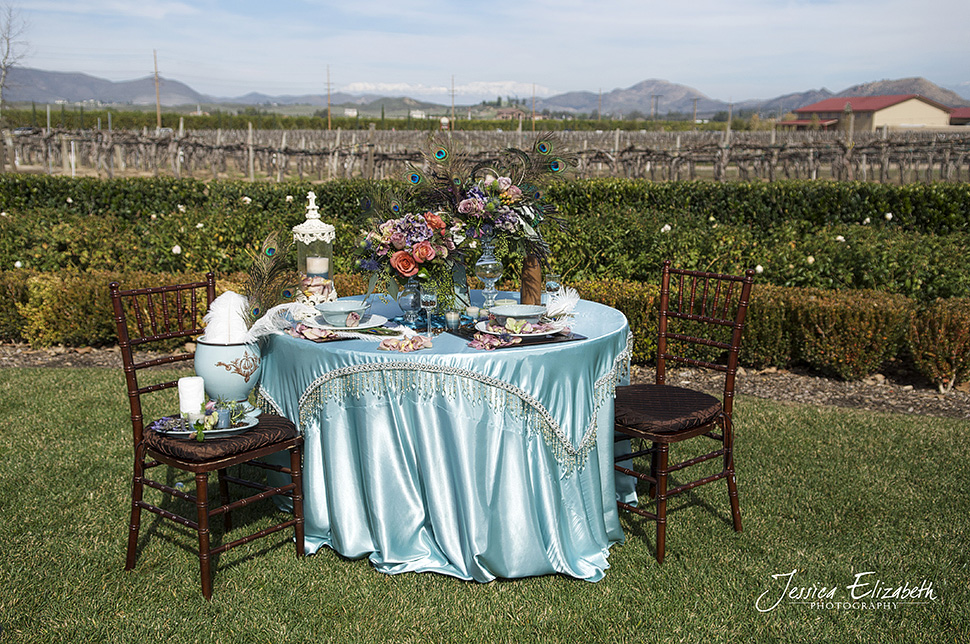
(415,246)
(498,201)
(456,202)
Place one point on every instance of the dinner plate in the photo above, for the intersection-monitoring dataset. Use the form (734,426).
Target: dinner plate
(247,422)
(483,327)
(366,322)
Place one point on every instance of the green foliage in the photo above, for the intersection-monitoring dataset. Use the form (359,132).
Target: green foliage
(768,338)
(807,234)
(939,341)
(13,293)
(849,334)
(638,302)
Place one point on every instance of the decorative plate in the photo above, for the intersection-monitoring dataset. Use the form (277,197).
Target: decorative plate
(246,423)
(483,327)
(366,322)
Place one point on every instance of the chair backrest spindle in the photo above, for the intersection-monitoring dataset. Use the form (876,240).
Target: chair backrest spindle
(163,324)
(706,307)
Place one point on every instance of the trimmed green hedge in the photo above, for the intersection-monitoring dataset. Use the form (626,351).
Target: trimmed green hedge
(809,234)
(842,333)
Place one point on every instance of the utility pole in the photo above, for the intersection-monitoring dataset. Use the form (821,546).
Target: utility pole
(695,110)
(599,110)
(452,100)
(533,107)
(655,107)
(158,99)
(328,97)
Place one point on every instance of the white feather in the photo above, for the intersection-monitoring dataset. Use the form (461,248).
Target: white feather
(562,303)
(225,322)
(279,318)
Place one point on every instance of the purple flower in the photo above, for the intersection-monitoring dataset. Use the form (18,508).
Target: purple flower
(397,240)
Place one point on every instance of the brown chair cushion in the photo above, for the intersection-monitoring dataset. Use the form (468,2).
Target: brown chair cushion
(663,408)
(269,430)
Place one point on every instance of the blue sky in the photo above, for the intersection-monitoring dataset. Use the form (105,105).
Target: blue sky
(728,50)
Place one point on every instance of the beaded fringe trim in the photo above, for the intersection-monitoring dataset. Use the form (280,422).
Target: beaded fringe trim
(426,380)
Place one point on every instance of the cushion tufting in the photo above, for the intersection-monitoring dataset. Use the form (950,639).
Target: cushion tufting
(663,408)
(269,430)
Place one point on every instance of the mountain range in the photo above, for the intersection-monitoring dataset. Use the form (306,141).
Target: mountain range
(648,98)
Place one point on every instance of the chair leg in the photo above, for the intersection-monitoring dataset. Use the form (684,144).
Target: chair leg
(732,482)
(224,500)
(134,524)
(735,504)
(661,474)
(654,461)
(296,474)
(202,511)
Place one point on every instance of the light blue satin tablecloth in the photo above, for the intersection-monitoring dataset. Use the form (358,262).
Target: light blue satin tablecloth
(455,460)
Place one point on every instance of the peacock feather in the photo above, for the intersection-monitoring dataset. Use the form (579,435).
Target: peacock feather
(270,281)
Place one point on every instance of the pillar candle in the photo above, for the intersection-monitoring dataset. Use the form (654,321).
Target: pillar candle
(472,312)
(318,266)
(191,394)
(452,319)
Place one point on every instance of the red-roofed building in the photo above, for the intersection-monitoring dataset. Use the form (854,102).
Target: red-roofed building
(960,116)
(869,113)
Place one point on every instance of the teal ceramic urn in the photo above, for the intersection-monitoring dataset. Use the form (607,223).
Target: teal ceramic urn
(230,371)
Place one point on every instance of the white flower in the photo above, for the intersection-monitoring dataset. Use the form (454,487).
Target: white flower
(4,214)
(176,250)
(666,228)
(247,200)
(181,208)
(18,264)
(759,269)
(154,216)
(865,222)
(810,260)
(69,200)
(199,225)
(839,238)
(289,198)
(711,218)
(888,216)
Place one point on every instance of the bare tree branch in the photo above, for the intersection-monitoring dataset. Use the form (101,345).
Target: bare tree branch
(12,48)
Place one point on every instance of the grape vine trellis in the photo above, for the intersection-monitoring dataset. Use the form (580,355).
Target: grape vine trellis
(899,157)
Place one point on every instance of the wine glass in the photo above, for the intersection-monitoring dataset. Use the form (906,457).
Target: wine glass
(429,302)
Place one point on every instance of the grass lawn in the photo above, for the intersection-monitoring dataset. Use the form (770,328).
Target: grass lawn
(828,492)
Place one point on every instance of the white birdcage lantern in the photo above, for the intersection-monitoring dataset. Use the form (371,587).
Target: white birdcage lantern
(314,243)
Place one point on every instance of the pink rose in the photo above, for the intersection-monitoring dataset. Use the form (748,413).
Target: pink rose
(514,192)
(470,206)
(441,251)
(403,263)
(423,252)
(504,183)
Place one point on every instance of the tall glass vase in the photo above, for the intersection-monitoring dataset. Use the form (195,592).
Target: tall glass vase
(489,269)
(408,300)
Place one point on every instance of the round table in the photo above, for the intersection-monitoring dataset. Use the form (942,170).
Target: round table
(476,464)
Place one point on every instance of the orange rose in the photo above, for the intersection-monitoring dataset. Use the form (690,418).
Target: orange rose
(403,263)
(434,220)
